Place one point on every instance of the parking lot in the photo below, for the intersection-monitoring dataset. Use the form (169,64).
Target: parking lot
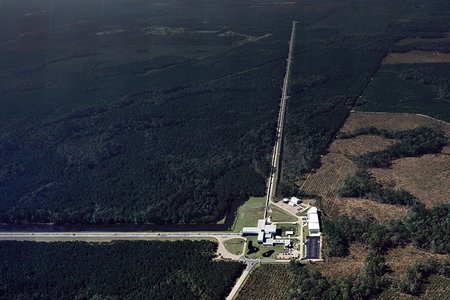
(312,247)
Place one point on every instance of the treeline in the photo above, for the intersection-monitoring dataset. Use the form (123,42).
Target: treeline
(117,270)
(417,275)
(412,142)
(362,184)
(425,228)
(369,282)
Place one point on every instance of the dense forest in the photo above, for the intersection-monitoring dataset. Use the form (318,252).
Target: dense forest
(167,114)
(117,270)
(171,132)
(412,88)
(333,68)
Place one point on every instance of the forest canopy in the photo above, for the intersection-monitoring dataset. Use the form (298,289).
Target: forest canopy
(116,270)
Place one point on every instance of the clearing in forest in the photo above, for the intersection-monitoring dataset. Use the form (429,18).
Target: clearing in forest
(268,281)
(411,174)
(335,267)
(426,177)
(416,57)
(399,259)
(365,208)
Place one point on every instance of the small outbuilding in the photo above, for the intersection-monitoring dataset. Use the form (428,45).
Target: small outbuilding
(295,201)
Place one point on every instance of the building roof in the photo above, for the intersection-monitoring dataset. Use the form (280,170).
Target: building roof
(261,223)
(313,219)
(312,210)
(261,236)
(295,200)
(249,230)
(270,228)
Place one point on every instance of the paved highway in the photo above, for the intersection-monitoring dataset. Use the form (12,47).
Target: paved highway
(271,188)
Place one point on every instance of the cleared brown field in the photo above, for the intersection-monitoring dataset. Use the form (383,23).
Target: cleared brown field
(399,259)
(426,177)
(335,267)
(416,57)
(391,121)
(409,41)
(366,209)
(327,180)
(360,145)
(269,281)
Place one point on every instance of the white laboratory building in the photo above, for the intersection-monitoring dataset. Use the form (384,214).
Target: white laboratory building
(313,221)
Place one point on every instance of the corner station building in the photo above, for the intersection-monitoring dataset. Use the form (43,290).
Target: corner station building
(266,233)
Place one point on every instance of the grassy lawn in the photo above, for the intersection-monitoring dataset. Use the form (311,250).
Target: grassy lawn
(262,249)
(235,246)
(305,232)
(278,215)
(249,213)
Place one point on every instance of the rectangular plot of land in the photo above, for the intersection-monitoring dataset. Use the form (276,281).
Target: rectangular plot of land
(416,57)
(313,247)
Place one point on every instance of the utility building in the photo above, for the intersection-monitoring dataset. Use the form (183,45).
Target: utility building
(295,201)
(313,221)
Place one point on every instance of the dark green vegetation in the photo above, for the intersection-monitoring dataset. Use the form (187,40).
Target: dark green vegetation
(148,114)
(362,184)
(427,229)
(334,62)
(312,285)
(417,275)
(417,88)
(118,270)
(413,142)
(165,113)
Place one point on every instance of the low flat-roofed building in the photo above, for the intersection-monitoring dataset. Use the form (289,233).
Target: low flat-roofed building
(272,229)
(250,231)
(289,232)
(261,237)
(261,223)
(266,234)
(313,221)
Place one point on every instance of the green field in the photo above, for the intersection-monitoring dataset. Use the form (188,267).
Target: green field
(249,213)
(288,227)
(279,215)
(235,246)
(263,249)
